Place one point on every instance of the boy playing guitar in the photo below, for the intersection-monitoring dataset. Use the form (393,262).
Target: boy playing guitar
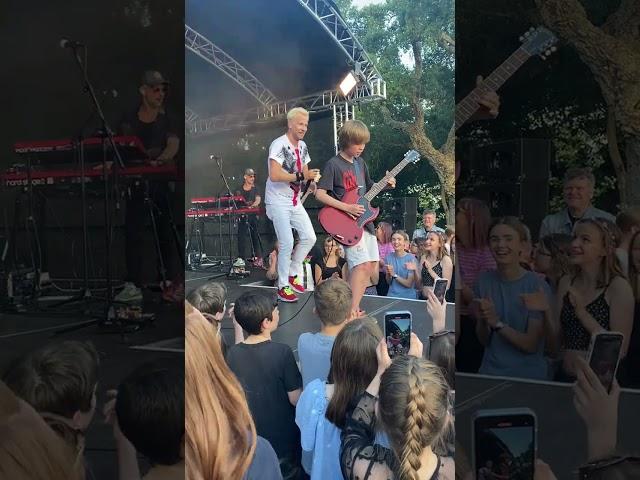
(344,172)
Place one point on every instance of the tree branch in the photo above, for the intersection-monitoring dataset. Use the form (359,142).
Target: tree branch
(624,22)
(450,144)
(616,158)
(448,43)
(388,118)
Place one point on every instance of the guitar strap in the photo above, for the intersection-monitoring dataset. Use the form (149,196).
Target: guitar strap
(359,178)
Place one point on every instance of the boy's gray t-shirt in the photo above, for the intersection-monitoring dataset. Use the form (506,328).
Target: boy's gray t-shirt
(314,352)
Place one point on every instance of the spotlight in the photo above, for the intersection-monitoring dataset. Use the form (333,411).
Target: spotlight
(348,83)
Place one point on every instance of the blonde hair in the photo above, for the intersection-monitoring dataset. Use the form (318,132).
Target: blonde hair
(333,301)
(297,111)
(353,132)
(220,436)
(413,400)
(442,250)
(610,265)
(29,449)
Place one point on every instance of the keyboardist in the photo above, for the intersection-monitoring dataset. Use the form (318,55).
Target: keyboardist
(248,224)
(151,124)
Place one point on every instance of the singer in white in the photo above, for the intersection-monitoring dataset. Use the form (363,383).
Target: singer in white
(288,170)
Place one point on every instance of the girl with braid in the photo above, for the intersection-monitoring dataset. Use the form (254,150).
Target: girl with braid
(408,401)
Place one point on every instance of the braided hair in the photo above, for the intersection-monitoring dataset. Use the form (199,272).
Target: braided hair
(413,405)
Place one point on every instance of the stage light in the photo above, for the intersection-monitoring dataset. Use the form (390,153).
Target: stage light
(348,84)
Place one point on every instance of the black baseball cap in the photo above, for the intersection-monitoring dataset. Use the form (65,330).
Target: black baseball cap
(153,78)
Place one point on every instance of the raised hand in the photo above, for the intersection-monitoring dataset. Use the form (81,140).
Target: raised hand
(536,301)
(411,266)
(488,311)
(416,346)
(312,174)
(389,268)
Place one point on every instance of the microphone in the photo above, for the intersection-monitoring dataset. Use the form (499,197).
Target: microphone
(66,43)
(214,157)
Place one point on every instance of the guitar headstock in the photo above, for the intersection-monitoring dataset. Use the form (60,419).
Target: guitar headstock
(412,156)
(539,41)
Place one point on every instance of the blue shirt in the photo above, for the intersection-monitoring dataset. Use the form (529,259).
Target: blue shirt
(319,437)
(314,352)
(395,289)
(561,223)
(500,356)
(422,232)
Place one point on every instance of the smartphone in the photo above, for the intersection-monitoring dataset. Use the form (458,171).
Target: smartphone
(604,356)
(397,332)
(504,444)
(440,288)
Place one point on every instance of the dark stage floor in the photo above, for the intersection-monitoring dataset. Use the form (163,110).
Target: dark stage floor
(297,318)
(20,333)
(561,432)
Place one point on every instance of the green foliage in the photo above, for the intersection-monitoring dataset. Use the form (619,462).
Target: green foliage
(387,32)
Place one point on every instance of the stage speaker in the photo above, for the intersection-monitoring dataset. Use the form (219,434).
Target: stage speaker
(401,213)
(512,177)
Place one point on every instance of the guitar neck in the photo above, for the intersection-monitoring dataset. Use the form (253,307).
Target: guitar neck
(379,186)
(469,104)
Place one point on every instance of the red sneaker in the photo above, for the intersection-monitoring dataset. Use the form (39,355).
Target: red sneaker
(286,294)
(296,284)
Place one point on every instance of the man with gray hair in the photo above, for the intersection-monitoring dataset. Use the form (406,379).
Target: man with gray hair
(288,170)
(429,222)
(578,192)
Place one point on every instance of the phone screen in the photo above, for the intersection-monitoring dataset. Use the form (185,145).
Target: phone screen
(397,331)
(504,447)
(440,289)
(605,354)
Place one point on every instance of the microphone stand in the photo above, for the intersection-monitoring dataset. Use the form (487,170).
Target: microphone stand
(106,130)
(235,208)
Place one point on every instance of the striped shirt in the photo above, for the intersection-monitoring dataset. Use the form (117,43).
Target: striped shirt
(471,262)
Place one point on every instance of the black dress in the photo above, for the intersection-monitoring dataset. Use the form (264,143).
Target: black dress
(358,452)
(574,335)
(427,279)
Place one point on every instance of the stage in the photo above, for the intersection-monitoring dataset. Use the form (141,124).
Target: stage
(297,318)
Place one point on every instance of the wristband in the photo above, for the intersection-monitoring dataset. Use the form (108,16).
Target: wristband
(299,176)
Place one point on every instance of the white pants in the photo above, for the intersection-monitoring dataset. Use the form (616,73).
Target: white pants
(285,218)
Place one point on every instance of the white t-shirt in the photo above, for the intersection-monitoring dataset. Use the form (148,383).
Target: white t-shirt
(281,150)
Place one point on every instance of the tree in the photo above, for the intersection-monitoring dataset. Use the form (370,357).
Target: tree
(411,43)
(612,53)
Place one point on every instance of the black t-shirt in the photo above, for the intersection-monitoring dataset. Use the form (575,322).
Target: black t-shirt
(267,371)
(249,195)
(153,135)
(339,176)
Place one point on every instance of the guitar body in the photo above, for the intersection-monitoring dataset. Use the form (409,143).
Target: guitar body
(341,226)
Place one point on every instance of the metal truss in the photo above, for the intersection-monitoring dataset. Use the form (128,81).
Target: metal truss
(341,113)
(335,26)
(204,48)
(317,102)
(189,115)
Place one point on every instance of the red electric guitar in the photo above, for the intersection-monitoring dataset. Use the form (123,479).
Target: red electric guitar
(348,230)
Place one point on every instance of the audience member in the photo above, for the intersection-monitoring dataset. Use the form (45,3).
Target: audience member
(513,335)
(628,221)
(59,381)
(323,405)
(473,257)
(597,297)
(578,193)
(412,407)
(330,264)
(400,269)
(270,377)
(220,434)
(428,225)
(630,367)
(149,410)
(435,263)
(333,305)
(383,235)
(551,258)
(29,449)
(450,239)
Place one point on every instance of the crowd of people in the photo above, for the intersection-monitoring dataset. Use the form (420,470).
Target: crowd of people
(275,417)
(406,268)
(530,310)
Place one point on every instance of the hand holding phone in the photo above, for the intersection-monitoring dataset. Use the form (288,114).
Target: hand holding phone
(504,444)
(604,356)
(440,288)
(397,332)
